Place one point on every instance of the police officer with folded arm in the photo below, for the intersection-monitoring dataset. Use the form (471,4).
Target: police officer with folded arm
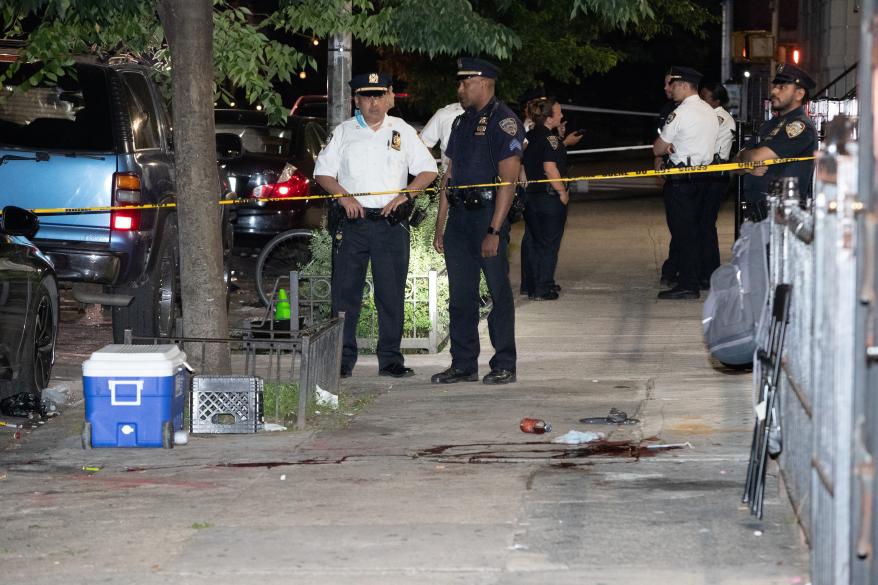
(373,152)
(485,144)
(688,138)
(790,134)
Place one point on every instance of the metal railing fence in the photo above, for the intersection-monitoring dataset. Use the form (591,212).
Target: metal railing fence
(302,359)
(425,326)
(812,250)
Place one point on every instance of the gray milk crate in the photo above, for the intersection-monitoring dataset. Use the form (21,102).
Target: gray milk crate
(225,404)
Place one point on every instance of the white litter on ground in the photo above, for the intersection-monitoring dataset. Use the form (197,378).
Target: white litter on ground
(578,438)
(273,427)
(325,398)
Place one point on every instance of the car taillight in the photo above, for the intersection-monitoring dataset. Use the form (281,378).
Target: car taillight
(298,185)
(126,191)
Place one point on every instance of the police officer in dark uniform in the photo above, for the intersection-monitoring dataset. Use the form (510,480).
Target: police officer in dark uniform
(790,134)
(486,143)
(544,158)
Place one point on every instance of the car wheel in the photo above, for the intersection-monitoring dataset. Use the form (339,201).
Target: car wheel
(156,305)
(39,348)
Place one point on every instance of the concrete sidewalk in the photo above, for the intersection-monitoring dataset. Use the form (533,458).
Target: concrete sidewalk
(436,484)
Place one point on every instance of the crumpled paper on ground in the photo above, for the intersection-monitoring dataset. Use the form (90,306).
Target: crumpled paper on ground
(578,437)
(325,398)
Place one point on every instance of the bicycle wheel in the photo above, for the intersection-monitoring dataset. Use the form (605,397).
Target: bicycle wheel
(287,251)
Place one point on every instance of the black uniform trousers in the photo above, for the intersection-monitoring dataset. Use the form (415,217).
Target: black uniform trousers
(670,267)
(544,217)
(715,191)
(684,203)
(464,232)
(387,247)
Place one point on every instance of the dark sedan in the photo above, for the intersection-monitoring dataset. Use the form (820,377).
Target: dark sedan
(28,307)
(264,162)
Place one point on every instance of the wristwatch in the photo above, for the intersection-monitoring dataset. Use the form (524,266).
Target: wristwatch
(492,231)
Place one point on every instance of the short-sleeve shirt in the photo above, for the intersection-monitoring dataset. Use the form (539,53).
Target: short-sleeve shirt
(438,128)
(480,140)
(726,134)
(692,129)
(543,145)
(791,135)
(364,160)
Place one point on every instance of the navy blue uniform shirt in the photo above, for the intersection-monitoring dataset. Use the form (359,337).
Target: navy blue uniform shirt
(543,145)
(480,140)
(790,136)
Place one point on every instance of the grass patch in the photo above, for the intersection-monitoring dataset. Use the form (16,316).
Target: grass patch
(201,525)
(280,404)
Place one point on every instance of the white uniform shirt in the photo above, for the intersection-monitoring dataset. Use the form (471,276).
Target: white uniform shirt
(438,128)
(692,129)
(362,159)
(726,134)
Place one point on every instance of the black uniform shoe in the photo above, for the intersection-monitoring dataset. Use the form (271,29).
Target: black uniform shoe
(704,284)
(499,377)
(556,288)
(679,293)
(345,372)
(452,375)
(549,296)
(668,281)
(396,371)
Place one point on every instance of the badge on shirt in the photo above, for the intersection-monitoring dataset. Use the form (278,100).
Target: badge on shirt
(795,128)
(395,140)
(482,127)
(720,120)
(670,118)
(553,142)
(509,126)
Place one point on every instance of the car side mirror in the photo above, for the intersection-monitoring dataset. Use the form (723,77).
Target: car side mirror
(19,222)
(228,146)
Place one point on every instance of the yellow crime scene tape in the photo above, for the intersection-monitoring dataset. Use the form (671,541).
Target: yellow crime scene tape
(714,168)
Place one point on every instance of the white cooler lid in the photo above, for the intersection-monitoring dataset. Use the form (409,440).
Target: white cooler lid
(134,360)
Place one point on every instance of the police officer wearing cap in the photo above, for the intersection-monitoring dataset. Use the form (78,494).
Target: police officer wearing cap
(373,152)
(790,134)
(688,138)
(485,144)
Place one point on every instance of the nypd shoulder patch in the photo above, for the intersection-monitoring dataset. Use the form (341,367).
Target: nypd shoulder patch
(670,118)
(795,128)
(509,126)
(553,142)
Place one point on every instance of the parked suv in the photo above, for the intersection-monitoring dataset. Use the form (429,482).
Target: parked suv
(98,138)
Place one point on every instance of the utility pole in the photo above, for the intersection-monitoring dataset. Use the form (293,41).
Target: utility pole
(775,31)
(338,74)
(726,59)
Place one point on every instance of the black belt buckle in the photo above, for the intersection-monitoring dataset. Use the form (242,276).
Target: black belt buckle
(372,213)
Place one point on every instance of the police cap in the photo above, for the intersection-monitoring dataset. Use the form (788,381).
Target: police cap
(370,83)
(678,73)
(472,67)
(787,73)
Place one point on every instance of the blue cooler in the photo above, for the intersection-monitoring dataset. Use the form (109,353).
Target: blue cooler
(134,396)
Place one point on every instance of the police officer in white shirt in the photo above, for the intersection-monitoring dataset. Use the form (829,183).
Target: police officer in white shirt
(438,128)
(688,138)
(373,152)
(716,96)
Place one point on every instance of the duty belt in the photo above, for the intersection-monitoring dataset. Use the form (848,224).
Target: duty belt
(473,198)
(373,213)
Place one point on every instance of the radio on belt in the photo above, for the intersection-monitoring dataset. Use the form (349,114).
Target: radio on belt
(134,396)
